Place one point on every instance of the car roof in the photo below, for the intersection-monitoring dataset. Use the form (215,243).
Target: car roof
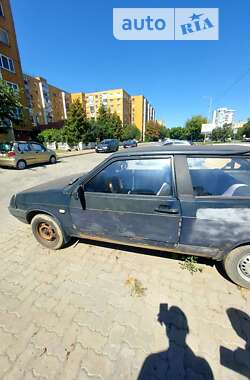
(25,142)
(216,149)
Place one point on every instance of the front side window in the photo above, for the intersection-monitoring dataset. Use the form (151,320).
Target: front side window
(37,147)
(220,176)
(144,177)
(4,38)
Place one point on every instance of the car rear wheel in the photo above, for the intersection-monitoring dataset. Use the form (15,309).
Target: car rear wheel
(21,164)
(48,232)
(52,160)
(237,266)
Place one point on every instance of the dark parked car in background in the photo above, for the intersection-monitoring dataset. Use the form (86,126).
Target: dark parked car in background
(108,145)
(185,199)
(130,144)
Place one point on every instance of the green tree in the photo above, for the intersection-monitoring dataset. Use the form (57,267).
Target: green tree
(244,131)
(51,135)
(130,131)
(115,125)
(76,126)
(222,133)
(9,103)
(193,128)
(152,131)
(177,133)
(110,124)
(164,133)
(102,115)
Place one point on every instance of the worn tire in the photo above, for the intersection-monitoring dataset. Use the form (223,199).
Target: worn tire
(237,266)
(48,232)
(21,165)
(52,160)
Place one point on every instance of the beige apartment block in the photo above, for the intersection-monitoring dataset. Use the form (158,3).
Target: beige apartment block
(79,96)
(141,112)
(118,101)
(46,103)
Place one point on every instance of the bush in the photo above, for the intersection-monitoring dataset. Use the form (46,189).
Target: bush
(131,132)
(51,135)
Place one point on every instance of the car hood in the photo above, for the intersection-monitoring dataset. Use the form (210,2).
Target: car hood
(53,192)
(102,146)
(55,185)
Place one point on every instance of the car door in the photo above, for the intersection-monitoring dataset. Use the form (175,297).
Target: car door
(25,153)
(131,200)
(39,152)
(216,213)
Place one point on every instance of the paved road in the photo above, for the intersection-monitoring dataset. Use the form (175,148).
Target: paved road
(96,312)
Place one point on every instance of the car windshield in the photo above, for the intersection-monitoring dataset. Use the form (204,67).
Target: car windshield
(107,141)
(5,147)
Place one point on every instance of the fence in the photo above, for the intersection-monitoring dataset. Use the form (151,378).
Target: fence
(66,147)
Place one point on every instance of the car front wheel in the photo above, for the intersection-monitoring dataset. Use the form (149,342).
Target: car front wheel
(48,232)
(237,266)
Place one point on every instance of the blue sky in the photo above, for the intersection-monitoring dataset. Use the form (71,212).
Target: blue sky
(71,44)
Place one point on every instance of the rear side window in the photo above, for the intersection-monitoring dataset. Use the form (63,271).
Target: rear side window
(23,147)
(144,177)
(220,176)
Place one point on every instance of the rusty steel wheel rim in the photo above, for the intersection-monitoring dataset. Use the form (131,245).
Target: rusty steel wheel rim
(46,231)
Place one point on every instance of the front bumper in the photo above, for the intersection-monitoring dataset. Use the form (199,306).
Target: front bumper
(102,150)
(19,214)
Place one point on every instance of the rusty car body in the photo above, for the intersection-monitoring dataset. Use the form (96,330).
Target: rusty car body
(186,199)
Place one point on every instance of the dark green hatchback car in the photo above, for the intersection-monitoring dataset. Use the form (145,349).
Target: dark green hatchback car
(185,199)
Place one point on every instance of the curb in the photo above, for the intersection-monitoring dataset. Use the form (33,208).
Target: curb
(74,154)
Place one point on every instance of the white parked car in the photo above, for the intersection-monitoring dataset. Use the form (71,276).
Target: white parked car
(176,142)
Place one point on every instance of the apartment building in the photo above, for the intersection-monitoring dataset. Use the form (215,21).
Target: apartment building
(131,109)
(79,96)
(10,64)
(141,112)
(47,104)
(222,116)
(118,101)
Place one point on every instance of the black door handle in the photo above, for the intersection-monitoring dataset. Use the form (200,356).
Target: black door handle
(167,210)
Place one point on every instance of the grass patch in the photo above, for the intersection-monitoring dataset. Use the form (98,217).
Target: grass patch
(190,264)
(136,287)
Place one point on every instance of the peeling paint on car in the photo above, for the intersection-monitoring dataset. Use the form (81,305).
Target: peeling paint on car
(239,215)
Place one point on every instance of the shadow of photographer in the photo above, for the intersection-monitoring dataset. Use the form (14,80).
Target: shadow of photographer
(178,362)
(238,360)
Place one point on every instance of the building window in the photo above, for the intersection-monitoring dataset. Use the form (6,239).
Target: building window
(4,38)
(6,63)
(1,10)
(14,86)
